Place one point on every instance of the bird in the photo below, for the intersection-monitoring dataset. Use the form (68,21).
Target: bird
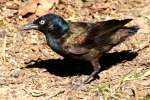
(82,40)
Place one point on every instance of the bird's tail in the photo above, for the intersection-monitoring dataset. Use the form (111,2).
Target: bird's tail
(123,33)
(125,21)
(132,30)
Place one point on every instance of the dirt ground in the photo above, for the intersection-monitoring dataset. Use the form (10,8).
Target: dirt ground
(30,70)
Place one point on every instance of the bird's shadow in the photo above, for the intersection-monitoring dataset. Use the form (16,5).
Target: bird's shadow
(72,67)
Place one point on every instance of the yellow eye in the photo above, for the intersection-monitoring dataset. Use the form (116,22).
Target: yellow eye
(42,22)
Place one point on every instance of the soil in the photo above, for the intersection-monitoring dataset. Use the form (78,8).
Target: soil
(30,70)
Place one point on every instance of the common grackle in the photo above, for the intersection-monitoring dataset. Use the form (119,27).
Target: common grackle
(81,40)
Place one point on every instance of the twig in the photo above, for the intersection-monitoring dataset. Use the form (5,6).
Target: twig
(4,48)
(142,48)
(60,92)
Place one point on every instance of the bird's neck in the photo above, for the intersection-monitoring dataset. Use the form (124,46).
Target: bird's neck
(55,44)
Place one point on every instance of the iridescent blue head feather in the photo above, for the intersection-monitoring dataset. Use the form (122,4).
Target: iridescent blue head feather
(50,24)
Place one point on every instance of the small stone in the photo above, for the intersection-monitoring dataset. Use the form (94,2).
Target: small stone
(3,81)
(15,73)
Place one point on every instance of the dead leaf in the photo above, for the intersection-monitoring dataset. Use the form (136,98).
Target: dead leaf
(30,7)
(2,33)
(37,7)
(12,5)
(43,7)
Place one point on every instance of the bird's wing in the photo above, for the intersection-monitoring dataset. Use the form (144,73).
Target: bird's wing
(84,36)
(104,29)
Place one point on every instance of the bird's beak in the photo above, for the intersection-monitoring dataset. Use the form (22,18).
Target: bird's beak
(30,26)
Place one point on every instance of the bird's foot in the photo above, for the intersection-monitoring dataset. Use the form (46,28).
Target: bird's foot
(91,78)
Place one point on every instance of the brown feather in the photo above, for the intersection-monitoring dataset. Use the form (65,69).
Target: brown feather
(100,35)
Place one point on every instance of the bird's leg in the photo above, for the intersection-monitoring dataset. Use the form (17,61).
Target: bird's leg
(96,67)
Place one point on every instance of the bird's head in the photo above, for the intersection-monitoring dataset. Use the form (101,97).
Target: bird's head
(49,24)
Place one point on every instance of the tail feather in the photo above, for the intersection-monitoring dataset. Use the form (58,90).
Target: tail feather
(125,21)
(123,33)
(133,30)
